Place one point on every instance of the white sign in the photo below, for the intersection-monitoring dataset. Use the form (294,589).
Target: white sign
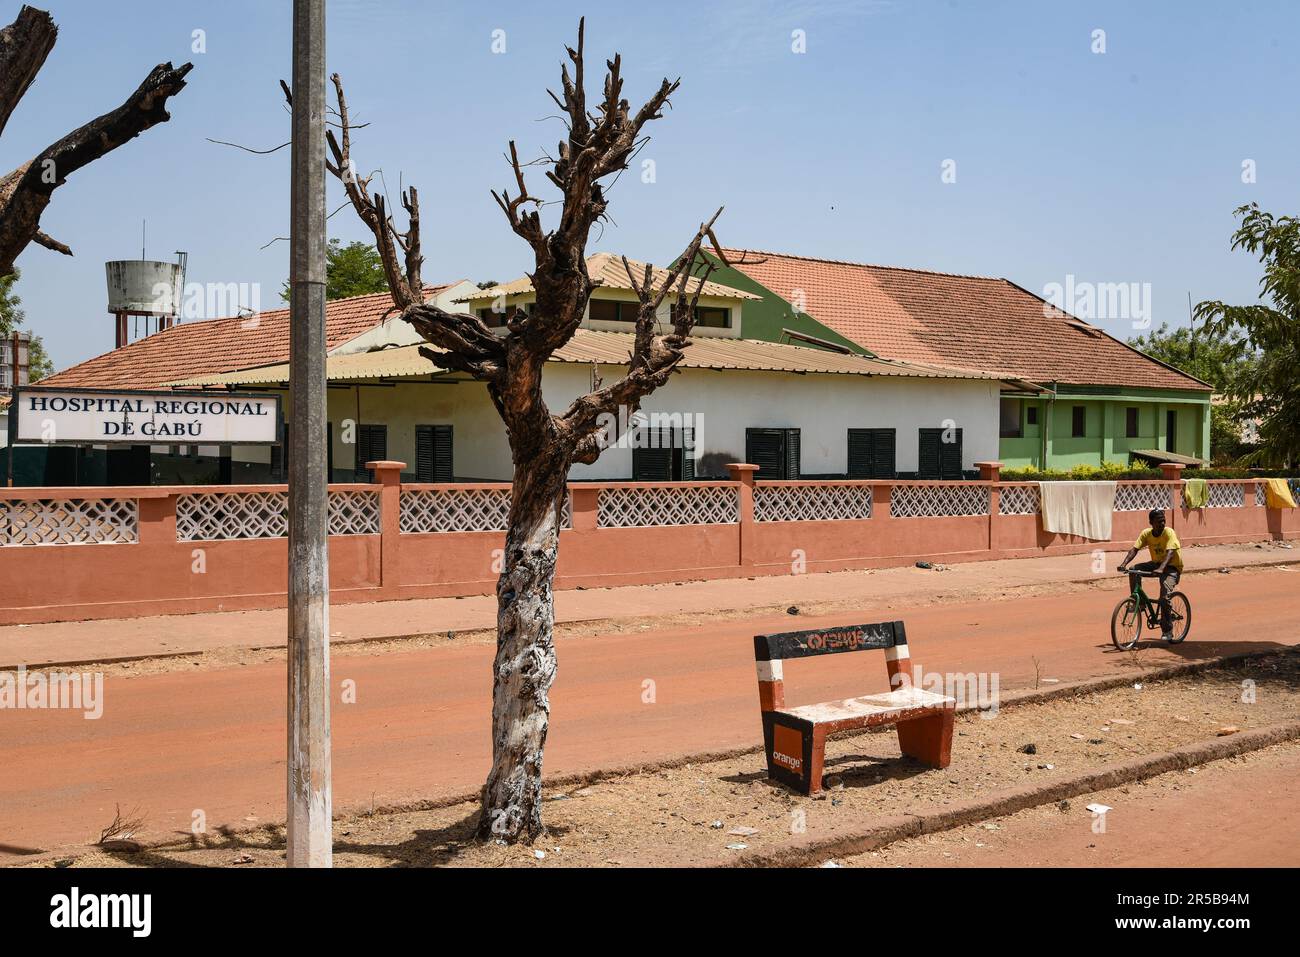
(89,416)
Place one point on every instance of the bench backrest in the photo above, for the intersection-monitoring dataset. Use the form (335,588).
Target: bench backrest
(771,650)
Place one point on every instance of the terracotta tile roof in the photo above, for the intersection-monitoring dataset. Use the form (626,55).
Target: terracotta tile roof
(973,322)
(218,345)
(609,270)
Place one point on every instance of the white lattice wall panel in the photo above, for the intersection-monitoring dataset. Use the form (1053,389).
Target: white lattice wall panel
(653,505)
(231,516)
(936,501)
(354,513)
(1261,497)
(1142,496)
(74,521)
(811,503)
(1018,500)
(1226,496)
(225,516)
(463,510)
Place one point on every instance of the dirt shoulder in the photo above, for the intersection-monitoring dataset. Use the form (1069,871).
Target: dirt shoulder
(714,812)
(1238,812)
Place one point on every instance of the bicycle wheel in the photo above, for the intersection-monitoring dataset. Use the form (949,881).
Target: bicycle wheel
(1180,616)
(1126,624)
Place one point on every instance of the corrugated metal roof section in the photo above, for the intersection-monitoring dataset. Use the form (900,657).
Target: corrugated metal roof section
(709,352)
(1160,455)
(612,274)
(613,348)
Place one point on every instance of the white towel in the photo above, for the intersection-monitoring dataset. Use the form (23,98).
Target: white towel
(1078,508)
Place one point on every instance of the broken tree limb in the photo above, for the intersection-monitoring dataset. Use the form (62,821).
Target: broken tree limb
(26,191)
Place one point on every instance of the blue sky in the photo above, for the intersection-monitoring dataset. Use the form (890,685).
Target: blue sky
(1118,167)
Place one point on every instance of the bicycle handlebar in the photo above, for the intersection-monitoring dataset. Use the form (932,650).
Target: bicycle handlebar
(1140,574)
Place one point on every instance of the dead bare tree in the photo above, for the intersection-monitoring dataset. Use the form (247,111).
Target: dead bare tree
(25,192)
(543,444)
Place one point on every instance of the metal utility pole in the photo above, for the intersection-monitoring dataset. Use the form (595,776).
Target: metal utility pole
(310,802)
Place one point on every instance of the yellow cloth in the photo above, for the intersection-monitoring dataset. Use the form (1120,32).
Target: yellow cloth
(1196,493)
(1078,508)
(1277,494)
(1160,545)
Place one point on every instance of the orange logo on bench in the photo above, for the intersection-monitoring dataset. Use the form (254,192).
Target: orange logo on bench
(821,640)
(787,748)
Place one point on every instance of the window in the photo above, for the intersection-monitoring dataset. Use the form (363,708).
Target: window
(774,451)
(611,310)
(372,446)
(871,453)
(433,453)
(1171,429)
(1131,422)
(493,319)
(1009,427)
(939,454)
(664,455)
(1078,421)
(1031,415)
(711,317)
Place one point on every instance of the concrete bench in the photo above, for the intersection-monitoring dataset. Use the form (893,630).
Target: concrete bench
(795,738)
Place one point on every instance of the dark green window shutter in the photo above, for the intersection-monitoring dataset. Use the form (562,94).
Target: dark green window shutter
(372,446)
(686,454)
(652,457)
(766,449)
(927,453)
(950,456)
(774,451)
(792,456)
(862,457)
(871,453)
(433,453)
(883,466)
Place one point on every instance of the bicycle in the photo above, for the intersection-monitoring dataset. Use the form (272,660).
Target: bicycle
(1126,620)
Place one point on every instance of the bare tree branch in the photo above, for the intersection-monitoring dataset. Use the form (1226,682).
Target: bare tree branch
(462,342)
(24,46)
(27,190)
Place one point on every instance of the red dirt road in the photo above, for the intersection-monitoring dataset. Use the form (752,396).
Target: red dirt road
(213,740)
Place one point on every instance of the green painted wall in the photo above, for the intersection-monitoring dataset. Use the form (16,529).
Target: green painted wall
(1105,436)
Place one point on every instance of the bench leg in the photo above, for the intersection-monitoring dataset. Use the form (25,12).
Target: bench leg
(929,739)
(795,752)
(817,766)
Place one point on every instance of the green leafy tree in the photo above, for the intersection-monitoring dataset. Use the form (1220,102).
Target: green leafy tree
(11,319)
(351,270)
(1212,357)
(1268,389)
(1226,443)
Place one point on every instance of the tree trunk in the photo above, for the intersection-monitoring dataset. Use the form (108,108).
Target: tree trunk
(525,659)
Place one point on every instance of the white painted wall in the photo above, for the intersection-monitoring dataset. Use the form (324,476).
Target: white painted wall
(724,404)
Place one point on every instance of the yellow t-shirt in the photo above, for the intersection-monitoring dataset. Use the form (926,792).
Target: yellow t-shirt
(1159,545)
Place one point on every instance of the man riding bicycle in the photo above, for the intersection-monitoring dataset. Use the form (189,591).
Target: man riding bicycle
(1166,564)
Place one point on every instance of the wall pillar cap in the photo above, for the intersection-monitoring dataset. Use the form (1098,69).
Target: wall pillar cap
(386,464)
(741,467)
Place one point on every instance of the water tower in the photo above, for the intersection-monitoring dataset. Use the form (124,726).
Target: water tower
(145,288)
